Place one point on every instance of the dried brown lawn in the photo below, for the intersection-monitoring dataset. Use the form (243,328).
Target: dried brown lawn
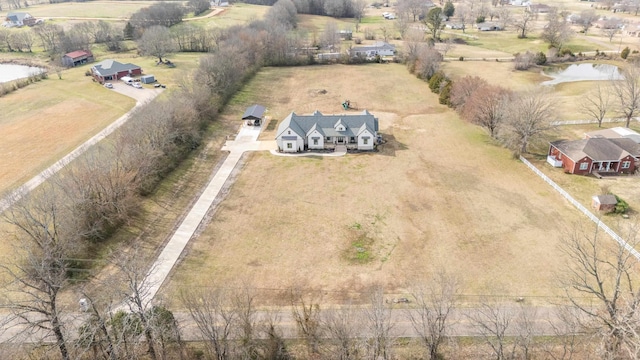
(438,194)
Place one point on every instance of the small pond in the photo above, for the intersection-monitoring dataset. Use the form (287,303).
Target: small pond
(583,72)
(10,72)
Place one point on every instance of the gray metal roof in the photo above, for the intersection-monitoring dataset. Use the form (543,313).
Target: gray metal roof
(253,112)
(606,199)
(326,124)
(374,47)
(17,16)
(111,67)
(598,149)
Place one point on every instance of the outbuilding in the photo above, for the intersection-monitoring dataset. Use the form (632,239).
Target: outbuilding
(253,115)
(76,58)
(147,79)
(605,203)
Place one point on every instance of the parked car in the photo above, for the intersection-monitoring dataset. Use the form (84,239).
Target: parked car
(136,85)
(108,85)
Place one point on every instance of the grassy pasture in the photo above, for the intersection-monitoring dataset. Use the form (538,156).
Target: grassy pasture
(439,193)
(95,9)
(236,14)
(44,121)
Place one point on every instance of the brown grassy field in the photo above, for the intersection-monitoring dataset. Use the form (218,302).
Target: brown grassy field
(438,194)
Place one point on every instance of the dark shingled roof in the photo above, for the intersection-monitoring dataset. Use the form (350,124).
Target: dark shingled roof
(598,149)
(327,124)
(112,67)
(606,199)
(254,112)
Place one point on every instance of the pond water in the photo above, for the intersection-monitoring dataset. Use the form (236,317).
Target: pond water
(10,72)
(583,72)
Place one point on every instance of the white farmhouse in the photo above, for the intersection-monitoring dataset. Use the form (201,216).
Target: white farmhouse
(325,132)
(369,51)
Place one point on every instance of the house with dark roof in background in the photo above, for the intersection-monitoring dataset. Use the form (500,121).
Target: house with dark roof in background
(76,58)
(607,156)
(113,70)
(17,19)
(324,132)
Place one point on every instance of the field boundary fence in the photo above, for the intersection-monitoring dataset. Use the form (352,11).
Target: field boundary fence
(583,209)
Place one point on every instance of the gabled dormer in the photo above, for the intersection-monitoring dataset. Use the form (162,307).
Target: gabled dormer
(340,126)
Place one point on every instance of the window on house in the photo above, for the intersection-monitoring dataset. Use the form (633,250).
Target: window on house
(289,132)
(626,164)
(315,141)
(353,139)
(584,166)
(289,146)
(365,141)
(328,138)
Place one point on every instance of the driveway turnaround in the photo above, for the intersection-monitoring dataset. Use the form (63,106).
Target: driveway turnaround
(246,140)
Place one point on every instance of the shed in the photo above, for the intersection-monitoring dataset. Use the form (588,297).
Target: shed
(253,115)
(76,58)
(147,79)
(606,203)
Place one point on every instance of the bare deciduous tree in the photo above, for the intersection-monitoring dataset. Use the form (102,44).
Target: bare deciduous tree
(487,107)
(557,31)
(344,328)
(156,41)
(587,18)
(627,92)
(529,117)
(306,313)
(493,319)
(462,90)
(379,325)
(45,241)
(523,23)
(212,312)
(431,316)
(603,270)
(596,103)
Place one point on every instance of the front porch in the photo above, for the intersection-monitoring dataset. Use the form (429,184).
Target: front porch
(604,167)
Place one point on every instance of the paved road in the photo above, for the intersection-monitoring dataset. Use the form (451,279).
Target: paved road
(542,318)
(140,95)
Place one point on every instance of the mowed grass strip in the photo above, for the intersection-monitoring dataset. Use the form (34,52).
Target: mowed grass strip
(439,193)
(44,121)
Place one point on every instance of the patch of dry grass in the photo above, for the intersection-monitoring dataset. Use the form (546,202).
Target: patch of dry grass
(46,120)
(439,193)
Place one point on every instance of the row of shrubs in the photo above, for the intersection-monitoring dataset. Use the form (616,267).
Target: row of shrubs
(11,86)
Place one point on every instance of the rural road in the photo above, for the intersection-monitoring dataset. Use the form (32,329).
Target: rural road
(213,12)
(543,320)
(140,95)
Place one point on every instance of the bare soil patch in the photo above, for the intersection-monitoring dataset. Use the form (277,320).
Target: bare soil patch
(438,194)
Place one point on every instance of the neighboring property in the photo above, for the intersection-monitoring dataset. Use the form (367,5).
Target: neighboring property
(454,26)
(325,132)
(254,115)
(595,156)
(614,133)
(519,3)
(488,26)
(632,30)
(606,203)
(539,8)
(76,58)
(17,19)
(369,51)
(113,70)
(345,34)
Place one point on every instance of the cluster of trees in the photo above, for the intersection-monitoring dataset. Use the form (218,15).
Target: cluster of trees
(333,8)
(55,40)
(160,14)
(515,118)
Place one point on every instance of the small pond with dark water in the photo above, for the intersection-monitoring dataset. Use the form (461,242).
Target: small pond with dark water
(582,72)
(10,72)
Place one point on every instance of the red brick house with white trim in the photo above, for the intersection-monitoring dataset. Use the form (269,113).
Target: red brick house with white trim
(605,156)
